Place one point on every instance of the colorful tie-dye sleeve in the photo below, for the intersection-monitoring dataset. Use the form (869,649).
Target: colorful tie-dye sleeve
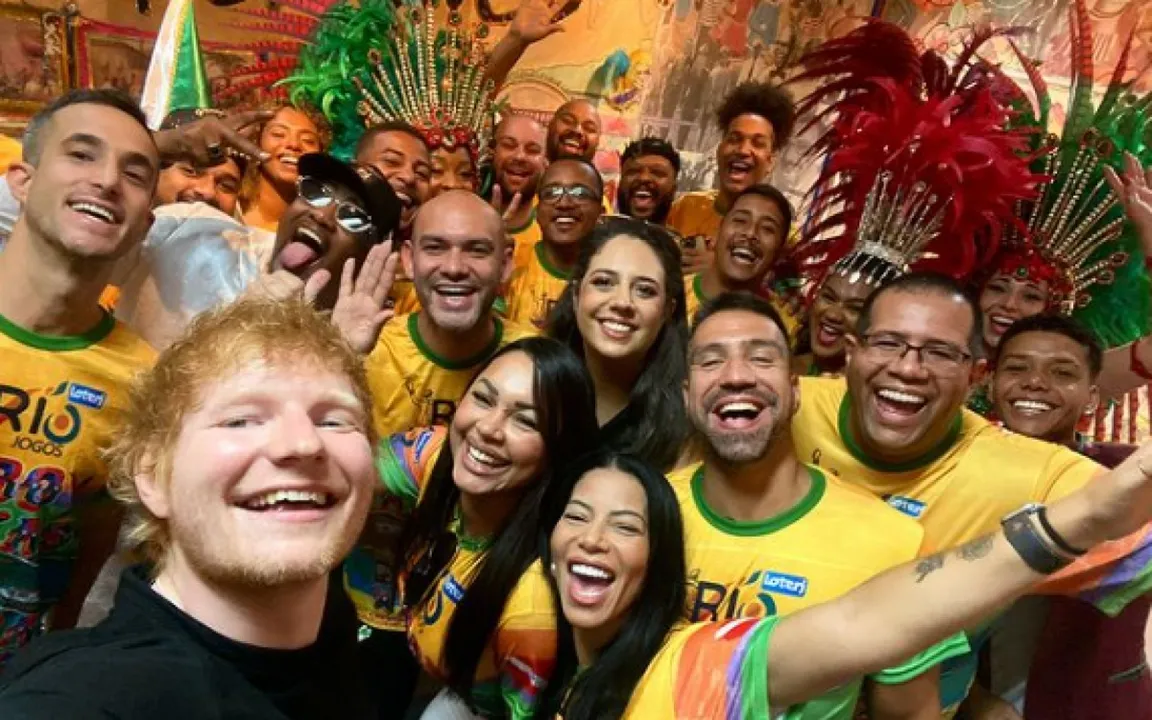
(525,644)
(406,460)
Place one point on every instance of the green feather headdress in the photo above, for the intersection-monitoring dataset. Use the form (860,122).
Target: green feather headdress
(386,60)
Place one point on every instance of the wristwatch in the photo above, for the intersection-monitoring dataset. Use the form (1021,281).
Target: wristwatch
(1025,530)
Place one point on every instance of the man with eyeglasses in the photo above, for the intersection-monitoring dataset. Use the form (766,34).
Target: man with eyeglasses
(571,193)
(895,426)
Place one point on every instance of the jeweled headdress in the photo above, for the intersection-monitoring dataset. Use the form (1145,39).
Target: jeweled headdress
(1075,236)
(386,60)
(919,164)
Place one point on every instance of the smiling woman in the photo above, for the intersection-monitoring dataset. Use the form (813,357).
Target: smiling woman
(624,313)
(479,621)
(271,185)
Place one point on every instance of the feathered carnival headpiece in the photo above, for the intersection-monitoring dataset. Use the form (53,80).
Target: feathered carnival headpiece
(386,60)
(1075,236)
(920,166)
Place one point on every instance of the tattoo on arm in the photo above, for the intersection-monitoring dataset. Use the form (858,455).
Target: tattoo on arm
(928,565)
(976,549)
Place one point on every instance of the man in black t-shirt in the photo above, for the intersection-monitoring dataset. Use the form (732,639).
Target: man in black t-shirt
(246,461)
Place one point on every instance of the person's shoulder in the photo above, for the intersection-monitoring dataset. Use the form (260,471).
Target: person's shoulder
(91,674)
(138,354)
(395,338)
(512,331)
(875,521)
(695,198)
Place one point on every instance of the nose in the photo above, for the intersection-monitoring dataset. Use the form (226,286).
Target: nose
(736,373)
(204,189)
(1034,380)
(908,365)
(293,142)
(490,426)
(621,300)
(325,216)
(107,176)
(453,266)
(833,314)
(591,540)
(294,437)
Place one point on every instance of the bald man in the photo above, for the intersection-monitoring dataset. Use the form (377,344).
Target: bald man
(517,163)
(458,258)
(574,131)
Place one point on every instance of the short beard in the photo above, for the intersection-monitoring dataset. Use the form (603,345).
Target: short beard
(743,448)
(527,195)
(659,215)
(455,322)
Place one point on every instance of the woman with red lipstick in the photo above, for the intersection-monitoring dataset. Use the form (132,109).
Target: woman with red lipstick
(436,552)
(612,545)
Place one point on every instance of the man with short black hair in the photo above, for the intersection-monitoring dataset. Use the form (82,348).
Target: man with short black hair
(767,534)
(649,168)
(399,152)
(755,120)
(752,235)
(571,197)
(85,187)
(895,426)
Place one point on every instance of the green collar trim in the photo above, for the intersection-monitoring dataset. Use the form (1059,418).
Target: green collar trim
(527,224)
(698,288)
(445,363)
(467,542)
(934,454)
(58,343)
(542,258)
(753,528)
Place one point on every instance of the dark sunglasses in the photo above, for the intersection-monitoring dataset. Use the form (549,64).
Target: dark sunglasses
(349,215)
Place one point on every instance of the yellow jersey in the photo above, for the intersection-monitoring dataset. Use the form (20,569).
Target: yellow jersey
(694,297)
(403,297)
(413,386)
(61,399)
(534,288)
(521,654)
(694,214)
(962,489)
(527,234)
(833,540)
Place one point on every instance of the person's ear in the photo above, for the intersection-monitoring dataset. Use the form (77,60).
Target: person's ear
(151,489)
(19,179)
(406,258)
(1093,400)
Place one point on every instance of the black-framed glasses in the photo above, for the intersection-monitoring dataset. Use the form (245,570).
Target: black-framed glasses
(428,567)
(578,193)
(935,356)
(349,215)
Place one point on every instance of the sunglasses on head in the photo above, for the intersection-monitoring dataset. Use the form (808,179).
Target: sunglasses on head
(349,215)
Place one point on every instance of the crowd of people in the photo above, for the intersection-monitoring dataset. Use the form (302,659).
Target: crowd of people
(387,411)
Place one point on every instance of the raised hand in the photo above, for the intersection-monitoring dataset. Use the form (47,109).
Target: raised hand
(361,306)
(207,141)
(497,202)
(534,20)
(1134,190)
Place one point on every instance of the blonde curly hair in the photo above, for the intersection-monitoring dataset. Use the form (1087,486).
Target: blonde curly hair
(216,344)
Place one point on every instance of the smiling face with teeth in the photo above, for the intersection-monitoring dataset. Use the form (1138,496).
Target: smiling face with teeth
(497,446)
(518,158)
(88,192)
(1004,299)
(403,158)
(270,476)
(833,316)
(288,135)
(746,245)
(566,221)
(1043,385)
(745,155)
(901,409)
(647,188)
(457,259)
(740,392)
(574,131)
(600,555)
(622,302)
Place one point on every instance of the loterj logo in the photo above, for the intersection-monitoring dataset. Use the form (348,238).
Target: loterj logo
(783,584)
(86,396)
(908,506)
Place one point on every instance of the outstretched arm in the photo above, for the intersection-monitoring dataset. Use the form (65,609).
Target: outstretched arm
(533,23)
(1120,374)
(898,613)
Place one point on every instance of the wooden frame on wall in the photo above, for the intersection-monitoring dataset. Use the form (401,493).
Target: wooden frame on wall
(34,66)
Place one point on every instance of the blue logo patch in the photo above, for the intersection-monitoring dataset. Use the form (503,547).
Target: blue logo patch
(454,590)
(783,584)
(84,395)
(908,506)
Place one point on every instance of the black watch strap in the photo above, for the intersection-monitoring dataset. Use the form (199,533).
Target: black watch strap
(1021,533)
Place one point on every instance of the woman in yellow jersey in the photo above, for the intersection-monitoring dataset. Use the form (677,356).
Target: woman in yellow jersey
(623,312)
(613,547)
(478,620)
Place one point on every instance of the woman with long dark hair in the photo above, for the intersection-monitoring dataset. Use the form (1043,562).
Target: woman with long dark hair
(476,621)
(623,312)
(612,542)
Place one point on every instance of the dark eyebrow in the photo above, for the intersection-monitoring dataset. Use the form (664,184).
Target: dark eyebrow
(84,138)
(633,513)
(488,385)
